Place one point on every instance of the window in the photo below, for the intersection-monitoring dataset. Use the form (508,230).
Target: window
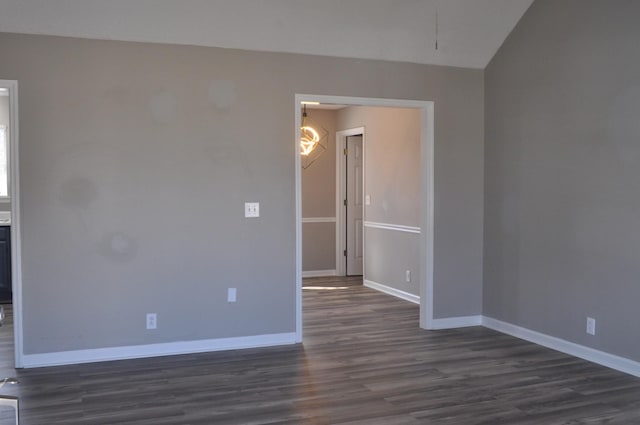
(4,163)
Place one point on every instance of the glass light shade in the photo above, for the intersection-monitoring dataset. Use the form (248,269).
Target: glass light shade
(313,141)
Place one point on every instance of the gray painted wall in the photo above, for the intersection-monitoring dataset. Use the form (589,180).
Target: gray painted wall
(388,255)
(136,160)
(319,200)
(318,246)
(392,161)
(563,174)
(392,180)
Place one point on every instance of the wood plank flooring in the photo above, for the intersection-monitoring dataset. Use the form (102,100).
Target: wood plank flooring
(364,361)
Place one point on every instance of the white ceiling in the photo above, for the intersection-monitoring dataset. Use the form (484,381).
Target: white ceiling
(470,31)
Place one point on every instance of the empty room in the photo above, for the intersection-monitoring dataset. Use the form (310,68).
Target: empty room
(319,212)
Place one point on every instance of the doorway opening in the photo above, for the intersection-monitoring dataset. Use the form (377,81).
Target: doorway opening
(350,148)
(425,109)
(9,90)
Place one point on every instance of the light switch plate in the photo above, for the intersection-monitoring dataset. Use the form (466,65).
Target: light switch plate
(232,295)
(251,209)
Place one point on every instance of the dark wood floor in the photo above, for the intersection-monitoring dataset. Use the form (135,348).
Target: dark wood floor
(364,361)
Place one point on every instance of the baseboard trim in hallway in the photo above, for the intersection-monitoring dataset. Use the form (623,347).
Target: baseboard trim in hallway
(392,291)
(612,361)
(596,356)
(156,350)
(456,322)
(602,358)
(364,361)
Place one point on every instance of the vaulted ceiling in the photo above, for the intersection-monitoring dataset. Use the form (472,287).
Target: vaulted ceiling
(468,32)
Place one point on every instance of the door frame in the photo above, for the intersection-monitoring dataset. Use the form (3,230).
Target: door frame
(16,238)
(341,219)
(427,133)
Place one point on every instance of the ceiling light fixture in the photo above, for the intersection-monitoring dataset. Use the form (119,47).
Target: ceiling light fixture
(309,139)
(313,138)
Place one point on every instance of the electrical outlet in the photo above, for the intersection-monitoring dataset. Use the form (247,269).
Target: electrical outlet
(251,209)
(408,275)
(232,295)
(591,326)
(152,320)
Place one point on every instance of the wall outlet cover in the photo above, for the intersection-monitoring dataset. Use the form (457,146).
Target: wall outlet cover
(232,295)
(152,321)
(251,209)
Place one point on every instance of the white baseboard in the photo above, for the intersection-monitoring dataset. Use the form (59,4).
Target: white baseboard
(319,273)
(156,350)
(392,291)
(596,356)
(456,322)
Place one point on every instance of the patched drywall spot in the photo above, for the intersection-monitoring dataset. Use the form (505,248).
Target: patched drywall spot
(163,106)
(78,192)
(118,247)
(222,94)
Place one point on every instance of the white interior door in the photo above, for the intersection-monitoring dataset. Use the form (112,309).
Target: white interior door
(354,206)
